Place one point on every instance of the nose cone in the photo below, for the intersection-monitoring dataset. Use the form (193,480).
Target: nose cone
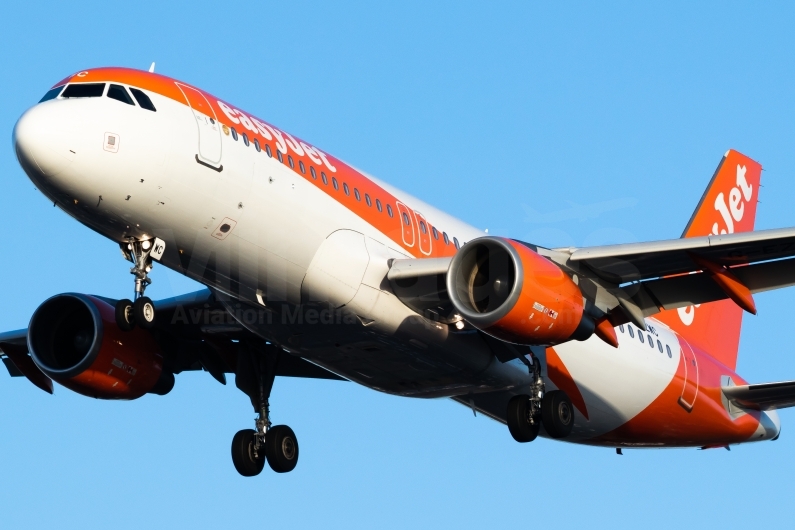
(41,141)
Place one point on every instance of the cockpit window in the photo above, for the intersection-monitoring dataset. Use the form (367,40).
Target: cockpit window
(51,94)
(84,90)
(118,93)
(142,99)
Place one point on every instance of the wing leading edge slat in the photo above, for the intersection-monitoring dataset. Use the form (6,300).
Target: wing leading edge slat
(642,261)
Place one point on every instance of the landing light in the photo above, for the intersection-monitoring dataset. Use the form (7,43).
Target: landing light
(459,324)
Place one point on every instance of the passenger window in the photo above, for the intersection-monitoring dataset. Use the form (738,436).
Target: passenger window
(446,239)
(367,200)
(290,161)
(51,94)
(256,145)
(301,166)
(621,328)
(668,349)
(423,227)
(356,194)
(659,346)
(245,139)
(268,151)
(335,183)
(640,336)
(345,188)
(651,342)
(435,233)
(389,210)
(144,101)
(378,205)
(84,90)
(325,179)
(406,220)
(279,156)
(234,134)
(631,333)
(455,240)
(313,172)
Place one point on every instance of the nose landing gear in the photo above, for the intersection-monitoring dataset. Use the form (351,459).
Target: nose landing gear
(278,445)
(142,310)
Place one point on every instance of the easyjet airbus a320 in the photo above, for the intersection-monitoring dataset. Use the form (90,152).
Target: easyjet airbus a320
(315,269)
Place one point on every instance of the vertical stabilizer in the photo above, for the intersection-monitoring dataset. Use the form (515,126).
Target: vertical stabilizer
(728,206)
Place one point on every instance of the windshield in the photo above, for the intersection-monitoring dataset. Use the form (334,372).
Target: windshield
(51,94)
(84,90)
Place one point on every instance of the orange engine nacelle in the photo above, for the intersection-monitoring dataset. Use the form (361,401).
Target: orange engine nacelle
(509,291)
(74,339)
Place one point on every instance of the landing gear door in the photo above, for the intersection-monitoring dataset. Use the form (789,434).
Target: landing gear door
(208,127)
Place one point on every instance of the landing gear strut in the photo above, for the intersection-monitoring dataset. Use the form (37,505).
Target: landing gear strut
(142,310)
(551,409)
(256,372)
(524,412)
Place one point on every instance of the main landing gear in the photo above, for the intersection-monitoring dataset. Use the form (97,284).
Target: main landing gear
(142,310)
(526,413)
(276,444)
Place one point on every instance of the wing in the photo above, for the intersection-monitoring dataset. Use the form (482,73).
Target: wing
(633,281)
(14,347)
(420,284)
(646,278)
(641,261)
(765,396)
(185,333)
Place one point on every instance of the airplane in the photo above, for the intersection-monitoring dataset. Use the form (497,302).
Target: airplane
(315,269)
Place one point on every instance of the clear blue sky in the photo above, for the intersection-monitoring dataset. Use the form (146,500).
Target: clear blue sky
(492,111)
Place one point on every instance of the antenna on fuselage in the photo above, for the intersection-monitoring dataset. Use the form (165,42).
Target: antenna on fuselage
(152,68)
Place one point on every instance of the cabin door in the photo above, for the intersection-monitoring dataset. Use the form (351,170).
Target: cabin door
(209,130)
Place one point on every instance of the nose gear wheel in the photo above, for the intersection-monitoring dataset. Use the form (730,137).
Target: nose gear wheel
(142,310)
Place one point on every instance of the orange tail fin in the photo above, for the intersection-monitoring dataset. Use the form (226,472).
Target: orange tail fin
(728,206)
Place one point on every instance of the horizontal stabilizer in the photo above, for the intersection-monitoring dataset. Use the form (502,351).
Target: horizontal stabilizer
(764,396)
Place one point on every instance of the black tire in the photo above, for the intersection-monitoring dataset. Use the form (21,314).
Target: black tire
(557,414)
(144,312)
(519,420)
(243,454)
(125,317)
(281,448)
